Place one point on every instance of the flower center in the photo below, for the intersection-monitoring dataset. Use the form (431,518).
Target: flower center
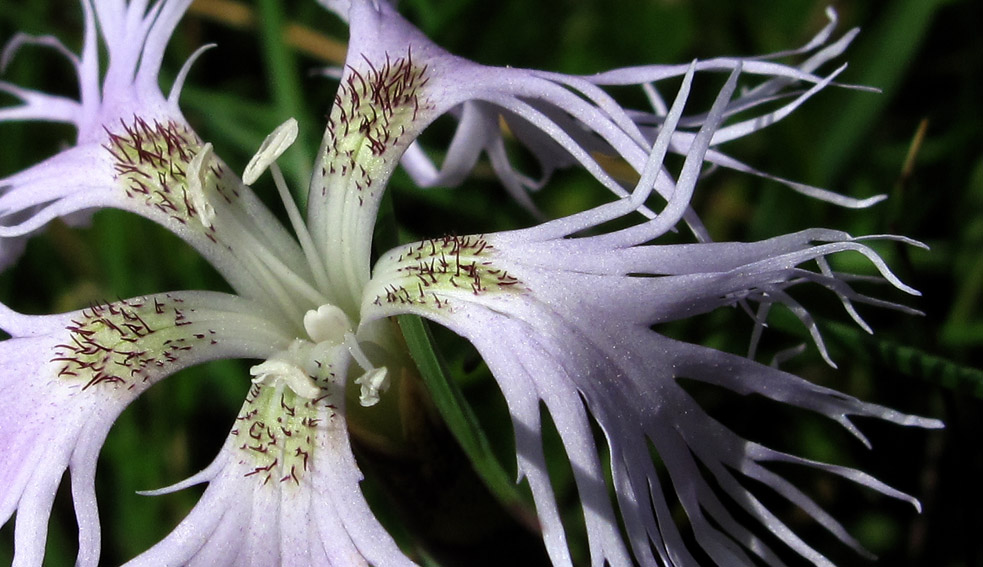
(292,400)
(330,336)
(327,326)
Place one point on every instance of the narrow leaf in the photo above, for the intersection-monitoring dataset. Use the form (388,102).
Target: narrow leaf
(457,413)
(906,360)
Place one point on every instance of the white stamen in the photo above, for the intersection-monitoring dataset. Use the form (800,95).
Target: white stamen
(269,151)
(278,279)
(197,170)
(327,324)
(373,382)
(303,235)
(272,148)
(276,372)
(356,351)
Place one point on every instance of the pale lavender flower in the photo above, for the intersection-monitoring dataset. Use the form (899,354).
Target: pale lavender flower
(568,120)
(285,487)
(562,320)
(567,322)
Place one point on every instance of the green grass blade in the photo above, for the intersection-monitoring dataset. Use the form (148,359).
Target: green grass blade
(284,80)
(880,60)
(905,360)
(457,413)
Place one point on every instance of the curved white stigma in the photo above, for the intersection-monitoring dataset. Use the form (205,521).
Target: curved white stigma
(269,151)
(374,381)
(329,324)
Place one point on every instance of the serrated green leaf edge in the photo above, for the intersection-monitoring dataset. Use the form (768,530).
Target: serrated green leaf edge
(906,360)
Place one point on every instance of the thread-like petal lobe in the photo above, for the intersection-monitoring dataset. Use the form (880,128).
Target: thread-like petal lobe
(567,323)
(567,120)
(135,151)
(284,489)
(64,379)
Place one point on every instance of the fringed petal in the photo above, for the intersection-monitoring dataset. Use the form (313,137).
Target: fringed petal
(66,378)
(136,152)
(284,489)
(568,323)
(571,120)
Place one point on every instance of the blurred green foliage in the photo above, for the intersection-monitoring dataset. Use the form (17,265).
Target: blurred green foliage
(925,55)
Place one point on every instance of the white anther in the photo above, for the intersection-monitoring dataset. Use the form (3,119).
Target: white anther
(197,170)
(373,382)
(272,148)
(276,372)
(327,324)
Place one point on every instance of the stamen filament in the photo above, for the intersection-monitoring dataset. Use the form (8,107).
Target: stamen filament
(267,268)
(273,285)
(374,380)
(351,343)
(300,229)
(284,273)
